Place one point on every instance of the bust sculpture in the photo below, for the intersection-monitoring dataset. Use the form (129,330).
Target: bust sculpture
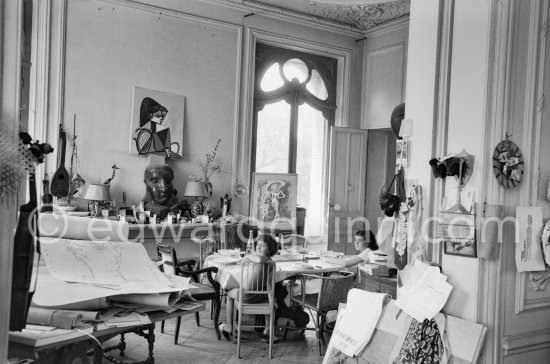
(160,195)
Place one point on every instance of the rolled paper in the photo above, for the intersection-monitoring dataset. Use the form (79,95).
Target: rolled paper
(57,318)
(81,228)
(490,236)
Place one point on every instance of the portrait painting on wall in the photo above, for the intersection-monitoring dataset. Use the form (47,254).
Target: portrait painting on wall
(157,123)
(274,199)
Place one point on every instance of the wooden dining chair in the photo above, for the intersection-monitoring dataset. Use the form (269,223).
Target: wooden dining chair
(203,292)
(257,285)
(333,290)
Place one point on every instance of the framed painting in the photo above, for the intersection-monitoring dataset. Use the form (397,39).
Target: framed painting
(157,123)
(463,247)
(273,199)
(457,233)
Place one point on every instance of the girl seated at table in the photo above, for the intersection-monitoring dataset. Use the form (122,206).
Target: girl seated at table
(363,245)
(266,247)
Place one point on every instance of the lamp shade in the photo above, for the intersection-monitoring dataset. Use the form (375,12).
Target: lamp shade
(195,189)
(98,192)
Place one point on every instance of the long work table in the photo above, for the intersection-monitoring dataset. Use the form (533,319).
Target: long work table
(55,348)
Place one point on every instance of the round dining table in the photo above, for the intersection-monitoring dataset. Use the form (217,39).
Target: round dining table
(288,265)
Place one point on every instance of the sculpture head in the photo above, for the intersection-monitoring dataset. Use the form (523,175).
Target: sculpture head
(158,180)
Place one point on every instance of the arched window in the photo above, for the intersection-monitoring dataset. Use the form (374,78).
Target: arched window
(294,107)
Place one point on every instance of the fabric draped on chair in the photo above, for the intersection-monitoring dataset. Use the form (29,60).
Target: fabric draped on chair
(256,297)
(170,265)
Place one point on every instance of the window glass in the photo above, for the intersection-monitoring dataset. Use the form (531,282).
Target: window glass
(316,86)
(291,132)
(311,133)
(272,79)
(273,138)
(295,69)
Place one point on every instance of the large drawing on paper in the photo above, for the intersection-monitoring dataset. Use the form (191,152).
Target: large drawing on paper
(529,256)
(157,123)
(274,198)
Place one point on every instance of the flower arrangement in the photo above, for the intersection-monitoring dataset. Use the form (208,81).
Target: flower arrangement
(208,166)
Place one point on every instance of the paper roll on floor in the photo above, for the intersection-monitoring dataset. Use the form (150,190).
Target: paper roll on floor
(81,228)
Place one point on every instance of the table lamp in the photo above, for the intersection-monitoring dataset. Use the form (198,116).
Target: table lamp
(197,190)
(97,193)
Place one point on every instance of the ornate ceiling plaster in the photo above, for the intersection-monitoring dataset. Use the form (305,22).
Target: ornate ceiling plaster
(360,15)
(363,16)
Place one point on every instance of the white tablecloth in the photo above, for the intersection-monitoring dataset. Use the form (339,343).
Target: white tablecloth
(229,268)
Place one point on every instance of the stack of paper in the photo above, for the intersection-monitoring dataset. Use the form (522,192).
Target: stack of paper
(355,324)
(378,257)
(377,270)
(84,271)
(425,291)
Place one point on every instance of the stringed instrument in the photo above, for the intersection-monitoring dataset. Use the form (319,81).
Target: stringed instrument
(26,234)
(61,179)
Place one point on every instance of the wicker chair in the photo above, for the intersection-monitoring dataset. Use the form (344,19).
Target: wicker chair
(204,292)
(333,290)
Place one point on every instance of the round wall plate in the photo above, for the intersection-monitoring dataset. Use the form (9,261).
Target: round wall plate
(508,164)
(240,190)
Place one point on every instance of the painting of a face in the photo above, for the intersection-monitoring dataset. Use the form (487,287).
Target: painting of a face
(158,116)
(159,185)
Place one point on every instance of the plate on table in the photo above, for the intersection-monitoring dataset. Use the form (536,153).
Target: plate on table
(226,260)
(228,252)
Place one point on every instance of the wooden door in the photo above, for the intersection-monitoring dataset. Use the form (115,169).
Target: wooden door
(346,197)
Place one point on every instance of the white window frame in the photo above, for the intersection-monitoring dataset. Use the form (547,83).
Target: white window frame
(244,131)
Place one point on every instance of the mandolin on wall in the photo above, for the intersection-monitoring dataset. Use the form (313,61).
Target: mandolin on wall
(61,179)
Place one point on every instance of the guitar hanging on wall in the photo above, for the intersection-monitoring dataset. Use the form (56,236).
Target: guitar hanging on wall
(25,235)
(61,180)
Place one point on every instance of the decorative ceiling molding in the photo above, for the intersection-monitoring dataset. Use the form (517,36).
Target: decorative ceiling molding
(267,8)
(350,16)
(363,17)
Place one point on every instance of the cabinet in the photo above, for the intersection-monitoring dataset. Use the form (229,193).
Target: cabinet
(378,284)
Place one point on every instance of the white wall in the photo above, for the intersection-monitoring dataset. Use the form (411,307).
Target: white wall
(420,90)
(384,74)
(466,89)
(194,49)
(468,83)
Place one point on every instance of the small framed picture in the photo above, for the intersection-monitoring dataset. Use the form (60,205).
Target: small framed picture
(402,153)
(463,247)
(457,233)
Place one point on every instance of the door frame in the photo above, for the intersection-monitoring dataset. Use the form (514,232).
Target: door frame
(331,204)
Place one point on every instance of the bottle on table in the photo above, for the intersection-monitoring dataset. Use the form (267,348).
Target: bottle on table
(47,198)
(250,244)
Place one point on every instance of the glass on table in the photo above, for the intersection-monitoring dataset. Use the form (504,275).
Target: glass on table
(294,249)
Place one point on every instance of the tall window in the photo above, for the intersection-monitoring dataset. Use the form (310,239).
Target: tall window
(294,103)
